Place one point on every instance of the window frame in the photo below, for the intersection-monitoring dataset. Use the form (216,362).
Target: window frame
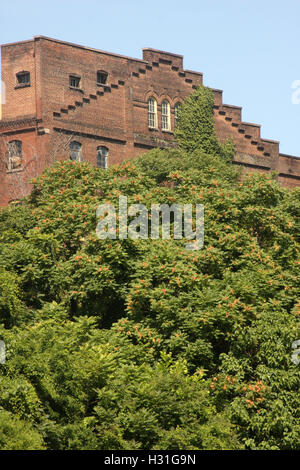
(102,158)
(104,75)
(165,116)
(14,155)
(78,151)
(176,108)
(74,77)
(152,113)
(19,82)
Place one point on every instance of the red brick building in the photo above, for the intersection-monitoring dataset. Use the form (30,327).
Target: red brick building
(64,101)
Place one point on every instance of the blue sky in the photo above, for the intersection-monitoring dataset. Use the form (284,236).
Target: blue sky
(249,49)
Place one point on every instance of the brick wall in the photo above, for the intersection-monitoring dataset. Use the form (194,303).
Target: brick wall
(19,100)
(49,113)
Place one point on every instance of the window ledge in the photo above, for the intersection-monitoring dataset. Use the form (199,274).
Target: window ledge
(15,170)
(22,85)
(76,89)
(153,128)
(168,132)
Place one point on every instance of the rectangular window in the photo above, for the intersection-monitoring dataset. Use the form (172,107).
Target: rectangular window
(165,125)
(101,77)
(23,78)
(74,81)
(151,119)
(14,155)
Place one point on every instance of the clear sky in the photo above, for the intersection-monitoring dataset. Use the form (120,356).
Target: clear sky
(248,48)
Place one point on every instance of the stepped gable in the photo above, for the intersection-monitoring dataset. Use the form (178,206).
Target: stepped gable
(58,93)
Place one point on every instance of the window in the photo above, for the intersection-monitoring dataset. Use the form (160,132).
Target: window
(152,113)
(101,77)
(74,81)
(23,78)
(102,157)
(165,116)
(14,156)
(75,151)
(176,109)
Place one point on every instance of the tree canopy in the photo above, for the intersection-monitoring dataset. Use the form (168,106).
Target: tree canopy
(142,344)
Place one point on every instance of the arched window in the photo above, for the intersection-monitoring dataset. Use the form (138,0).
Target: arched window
(102,157)
(152,113)
(176,109)
(75,151)
(14,154)
(165,116)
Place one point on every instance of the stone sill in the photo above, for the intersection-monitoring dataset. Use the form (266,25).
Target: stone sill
(76,89)
(15,170)
(22,85)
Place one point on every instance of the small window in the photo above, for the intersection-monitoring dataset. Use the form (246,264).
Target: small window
(74,81)
(101,77)
(152,113)
(14,155)
(102,157)
(23,78)
(176,109)
(165,116)
(75,151)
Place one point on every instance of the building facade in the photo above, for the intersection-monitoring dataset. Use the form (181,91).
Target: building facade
(66,101)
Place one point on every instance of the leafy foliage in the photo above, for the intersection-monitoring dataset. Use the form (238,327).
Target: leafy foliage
(195,129)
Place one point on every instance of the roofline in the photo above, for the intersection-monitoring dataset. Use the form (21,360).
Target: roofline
(71,44)
(162,52)
(288,156)
(16,42)
(193,72)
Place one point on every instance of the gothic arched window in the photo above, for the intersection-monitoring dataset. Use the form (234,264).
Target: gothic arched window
(75,151)
(176,109)
(102,157)
(152,113)
(165,116)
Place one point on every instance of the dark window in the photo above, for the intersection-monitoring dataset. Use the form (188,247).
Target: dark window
(75,151)
(23,78)
(74,81)
(176,109)
(101,77)
(102,157)
(14,155)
